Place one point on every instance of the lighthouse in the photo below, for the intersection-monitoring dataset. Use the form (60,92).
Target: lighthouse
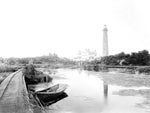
(105,53)
(105,41)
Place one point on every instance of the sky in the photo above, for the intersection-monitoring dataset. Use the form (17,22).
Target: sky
(30,28)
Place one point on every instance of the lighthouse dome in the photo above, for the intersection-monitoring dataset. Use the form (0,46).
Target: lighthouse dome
(105,27)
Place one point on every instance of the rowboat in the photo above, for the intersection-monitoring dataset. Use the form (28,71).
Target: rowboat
(51,93)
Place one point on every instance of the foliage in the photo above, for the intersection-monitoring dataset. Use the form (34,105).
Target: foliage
(109,60)
(7,68)
(145,70)
(141,58)
(33,76)
(51,60)
(3,76)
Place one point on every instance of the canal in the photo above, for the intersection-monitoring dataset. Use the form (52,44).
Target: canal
(87,93)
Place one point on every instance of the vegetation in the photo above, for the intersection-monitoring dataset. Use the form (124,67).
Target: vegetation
(7,68)
(145,70)
(9,65)
(141,58)
(33,76)
(51,60)
(135,59)
(3,76)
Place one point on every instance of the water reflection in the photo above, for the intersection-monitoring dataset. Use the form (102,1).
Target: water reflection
(105,90)
(51,101)
(42,106)
(89,94)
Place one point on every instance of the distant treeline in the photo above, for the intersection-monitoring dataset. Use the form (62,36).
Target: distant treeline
(49,60)
(136,62)
(141,58)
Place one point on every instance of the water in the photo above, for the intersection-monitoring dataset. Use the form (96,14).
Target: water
(87,93)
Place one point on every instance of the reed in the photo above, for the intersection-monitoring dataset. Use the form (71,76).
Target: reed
(7,68)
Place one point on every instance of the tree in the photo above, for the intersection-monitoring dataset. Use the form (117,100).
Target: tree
(143,57)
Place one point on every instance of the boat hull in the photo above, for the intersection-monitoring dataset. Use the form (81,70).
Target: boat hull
(51,93)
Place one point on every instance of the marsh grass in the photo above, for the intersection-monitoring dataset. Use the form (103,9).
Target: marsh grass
(145,93)
(3,76)
(126,80)
(145,70)
(7,68)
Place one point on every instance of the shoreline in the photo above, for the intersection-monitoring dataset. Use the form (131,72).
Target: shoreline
(120,69)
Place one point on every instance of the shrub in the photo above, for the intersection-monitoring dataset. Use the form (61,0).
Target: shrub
(8,68)
(145,70)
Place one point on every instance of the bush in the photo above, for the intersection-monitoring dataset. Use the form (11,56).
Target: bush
(3,76)
(33,76)
(145,70)
(8,68)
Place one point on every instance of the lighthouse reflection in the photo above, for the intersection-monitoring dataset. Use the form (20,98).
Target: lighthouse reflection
(105,90)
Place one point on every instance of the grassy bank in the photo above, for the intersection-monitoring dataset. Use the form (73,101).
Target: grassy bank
(8,68)
(5,70)
(3,76)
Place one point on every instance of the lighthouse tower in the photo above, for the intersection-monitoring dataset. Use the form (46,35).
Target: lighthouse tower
(105,53)
(105,41)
